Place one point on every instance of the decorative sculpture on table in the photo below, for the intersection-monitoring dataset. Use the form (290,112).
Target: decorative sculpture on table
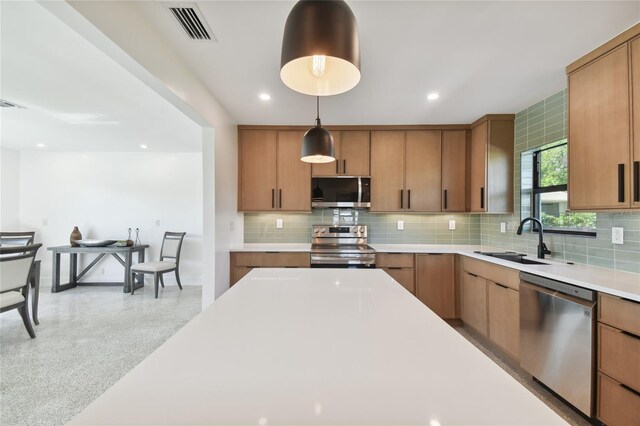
(75,236)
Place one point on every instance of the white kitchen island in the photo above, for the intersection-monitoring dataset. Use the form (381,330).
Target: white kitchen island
(317,346)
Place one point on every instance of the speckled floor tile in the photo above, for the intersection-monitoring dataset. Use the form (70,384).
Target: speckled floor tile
(88,338)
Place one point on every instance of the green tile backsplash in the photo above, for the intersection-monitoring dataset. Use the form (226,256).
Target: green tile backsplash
(542,123)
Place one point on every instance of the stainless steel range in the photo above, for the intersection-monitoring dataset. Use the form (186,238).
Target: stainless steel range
(341,246)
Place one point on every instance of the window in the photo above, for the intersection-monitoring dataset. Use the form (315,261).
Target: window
(544,192)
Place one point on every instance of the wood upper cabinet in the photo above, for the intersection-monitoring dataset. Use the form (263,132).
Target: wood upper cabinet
(405,170)
(474,302)
(271,175)
(635,156)
(454,170)
(387,170)
(504,317)
(435,283)
(294,176)
(423,153)
(257,170)
(491,163)
(352,155)
(599,141)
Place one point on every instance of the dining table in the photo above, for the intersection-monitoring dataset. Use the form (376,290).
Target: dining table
(123,254)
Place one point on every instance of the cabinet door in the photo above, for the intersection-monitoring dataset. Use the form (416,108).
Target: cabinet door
(435,286)
(294,176)
(422,173)
(387,171)
(257,158)
(474,302)
(355,153)
(599,133)
(499,190)
(405,276)
(504,318)
(616,405)
(454,170)
(329,169)
(635,87)
(238,273)
(478,179)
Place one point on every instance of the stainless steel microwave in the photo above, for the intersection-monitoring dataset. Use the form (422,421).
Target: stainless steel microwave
(341,191)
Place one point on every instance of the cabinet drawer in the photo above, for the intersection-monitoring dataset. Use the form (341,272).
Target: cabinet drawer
(273,260)
(474,303)
(495,273)
(404,276)
(619,313)
(394,260)
(619,355)
(616,405)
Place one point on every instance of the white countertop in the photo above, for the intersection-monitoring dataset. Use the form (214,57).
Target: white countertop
(323,346)
(610,281)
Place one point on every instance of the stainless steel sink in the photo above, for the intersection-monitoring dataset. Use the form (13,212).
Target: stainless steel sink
(514,257)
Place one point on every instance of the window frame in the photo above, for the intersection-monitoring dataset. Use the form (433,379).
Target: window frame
(537,190)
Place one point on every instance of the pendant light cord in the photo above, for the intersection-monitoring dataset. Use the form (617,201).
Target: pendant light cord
(317,110)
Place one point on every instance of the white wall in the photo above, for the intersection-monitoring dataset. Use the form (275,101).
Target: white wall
(104,194)
(9,190)
(149,57)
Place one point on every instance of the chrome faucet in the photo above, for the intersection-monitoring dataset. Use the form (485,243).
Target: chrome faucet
(542,247)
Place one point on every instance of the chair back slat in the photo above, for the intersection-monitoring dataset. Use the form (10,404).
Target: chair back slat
(15,265)
(172,245)
(13,239)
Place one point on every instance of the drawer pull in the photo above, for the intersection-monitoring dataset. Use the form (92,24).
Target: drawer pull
(473,275)
(633,391)
(272,252)
(500,285)
(621,183)
(394,267)
(626,333)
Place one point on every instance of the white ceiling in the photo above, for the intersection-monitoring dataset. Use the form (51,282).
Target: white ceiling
(482,57)
(76,97)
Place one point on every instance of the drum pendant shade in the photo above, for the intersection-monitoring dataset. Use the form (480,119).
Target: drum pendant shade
(317,143)
(320,48)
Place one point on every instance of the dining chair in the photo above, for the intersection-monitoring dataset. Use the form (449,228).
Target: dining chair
(25,238)
(170,250)
(15,268)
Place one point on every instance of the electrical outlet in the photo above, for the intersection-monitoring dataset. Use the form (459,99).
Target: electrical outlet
(157,222)
(452,225)
(617,235)
(401,225)
(503,227)
(279,223)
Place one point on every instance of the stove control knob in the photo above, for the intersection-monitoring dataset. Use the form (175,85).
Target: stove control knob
(361,229)
(323,230)
(316,230)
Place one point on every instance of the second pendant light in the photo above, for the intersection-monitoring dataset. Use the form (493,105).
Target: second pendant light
(317,143)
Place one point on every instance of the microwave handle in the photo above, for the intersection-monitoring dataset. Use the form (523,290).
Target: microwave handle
(359,190)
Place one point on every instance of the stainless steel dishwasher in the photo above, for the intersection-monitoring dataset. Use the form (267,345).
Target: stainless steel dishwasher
(557,337)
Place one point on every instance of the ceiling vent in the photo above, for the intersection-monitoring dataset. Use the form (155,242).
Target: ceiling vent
(7,104)
(192,22)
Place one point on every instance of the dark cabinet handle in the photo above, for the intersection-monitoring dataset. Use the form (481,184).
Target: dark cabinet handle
(626,333)
(337,163)
(636,181)
(402,198)
(622,385)
(473,275)
(280,196)
(273,198)
(445,199)
(394,267)
(621,183)
(344,167)
(482,197)
(409,199)
(500,285)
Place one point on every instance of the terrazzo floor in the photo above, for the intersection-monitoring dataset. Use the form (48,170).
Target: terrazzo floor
(88,338)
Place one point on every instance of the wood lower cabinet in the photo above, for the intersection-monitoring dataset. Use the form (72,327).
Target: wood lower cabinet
(504,317)
(271,175)
(244,262)
(491,164)
(400,266)
(454,170)
(436,283)
(618,340)
(474,302)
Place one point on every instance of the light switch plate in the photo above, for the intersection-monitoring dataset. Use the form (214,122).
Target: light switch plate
(401,225)
(617,235)
(503,227)
(279,223)
(452,225)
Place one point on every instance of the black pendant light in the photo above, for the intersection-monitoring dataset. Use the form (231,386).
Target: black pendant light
(320,48)
(317,143)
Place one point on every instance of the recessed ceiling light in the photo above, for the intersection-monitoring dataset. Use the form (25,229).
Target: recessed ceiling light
(143,146)
(433,96)
(265,96)
(40,145)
